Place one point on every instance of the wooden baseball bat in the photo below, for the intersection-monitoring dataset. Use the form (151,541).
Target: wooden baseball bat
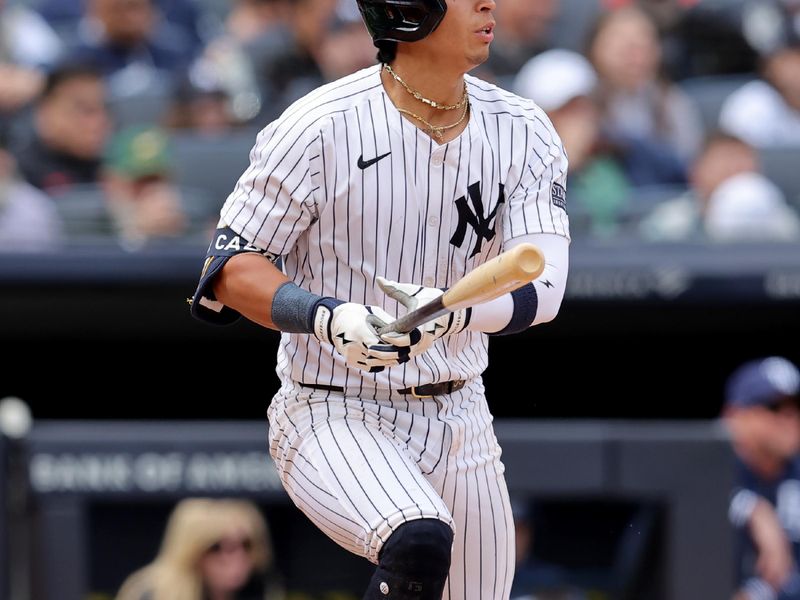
(504,273)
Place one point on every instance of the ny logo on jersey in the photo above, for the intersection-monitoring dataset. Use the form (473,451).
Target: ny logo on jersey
(482,225)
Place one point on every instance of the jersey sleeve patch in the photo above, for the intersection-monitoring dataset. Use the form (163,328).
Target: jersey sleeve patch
(558,195)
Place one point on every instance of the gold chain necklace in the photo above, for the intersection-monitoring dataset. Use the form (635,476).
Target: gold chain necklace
(421,98)
(437,130)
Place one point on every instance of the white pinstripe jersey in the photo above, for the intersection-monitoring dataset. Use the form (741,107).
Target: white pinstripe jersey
(346,189)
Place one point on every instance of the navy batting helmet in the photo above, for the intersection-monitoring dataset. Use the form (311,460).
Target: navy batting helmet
(401,20)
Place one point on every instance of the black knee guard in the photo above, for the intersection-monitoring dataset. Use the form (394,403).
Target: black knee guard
(413,563)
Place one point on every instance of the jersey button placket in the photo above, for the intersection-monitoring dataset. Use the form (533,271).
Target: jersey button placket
(437,160)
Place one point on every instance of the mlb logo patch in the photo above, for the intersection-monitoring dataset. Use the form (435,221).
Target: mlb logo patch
(558,194)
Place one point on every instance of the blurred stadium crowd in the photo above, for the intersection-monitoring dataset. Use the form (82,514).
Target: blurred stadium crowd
(130,120)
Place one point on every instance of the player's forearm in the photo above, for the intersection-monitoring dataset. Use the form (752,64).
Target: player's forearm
(775,562)
(247,284)
(494,316)
(764,525)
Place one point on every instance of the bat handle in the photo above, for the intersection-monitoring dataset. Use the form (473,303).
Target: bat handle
(421,315)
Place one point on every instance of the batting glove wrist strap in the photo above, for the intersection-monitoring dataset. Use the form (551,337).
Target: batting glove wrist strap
(295,310)
(352,328)
(322,315)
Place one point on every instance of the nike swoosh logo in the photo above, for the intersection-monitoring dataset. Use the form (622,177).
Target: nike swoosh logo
(363,164)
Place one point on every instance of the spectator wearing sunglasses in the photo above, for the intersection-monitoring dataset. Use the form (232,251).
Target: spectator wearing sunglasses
(213,549)
(762,412)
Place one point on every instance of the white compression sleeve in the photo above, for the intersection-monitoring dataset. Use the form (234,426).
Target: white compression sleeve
(494,315)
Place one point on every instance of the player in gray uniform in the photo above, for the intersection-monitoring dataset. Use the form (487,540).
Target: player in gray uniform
(378,191)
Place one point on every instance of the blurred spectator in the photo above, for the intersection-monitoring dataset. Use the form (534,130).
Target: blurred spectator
(25,37)
(143,201)
(562,83)
(247,20)
(347,46)
(655,125)
(766,112)
(28,46)
(63,144)
(274,51)
(184,18)
(523,30)
(122,37)
(252,32)
(696,40)
(179,19)
(762,413)
(793,15)
(28,218)
(665,12)
(728,200)
(287,57)
(693,31)
(213,549)
(202,104)
(666,15)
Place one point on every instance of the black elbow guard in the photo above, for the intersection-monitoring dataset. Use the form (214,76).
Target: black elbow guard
(204,305)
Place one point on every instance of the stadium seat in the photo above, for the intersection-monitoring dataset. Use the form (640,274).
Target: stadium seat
(144,107)
(212,164)
(627,216)
(84,213)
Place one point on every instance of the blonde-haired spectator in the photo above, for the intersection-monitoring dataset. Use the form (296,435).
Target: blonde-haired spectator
(213,549)
(654,123)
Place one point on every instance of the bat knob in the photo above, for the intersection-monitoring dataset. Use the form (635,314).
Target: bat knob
(529,259)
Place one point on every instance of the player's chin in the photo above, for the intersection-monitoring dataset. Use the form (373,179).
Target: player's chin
(478,57)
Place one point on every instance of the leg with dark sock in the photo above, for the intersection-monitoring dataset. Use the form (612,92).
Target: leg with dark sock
(413,563)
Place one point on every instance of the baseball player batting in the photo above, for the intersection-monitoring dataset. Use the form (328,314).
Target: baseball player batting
(377,192)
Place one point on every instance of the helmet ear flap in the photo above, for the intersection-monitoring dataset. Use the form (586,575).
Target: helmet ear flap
(401,20)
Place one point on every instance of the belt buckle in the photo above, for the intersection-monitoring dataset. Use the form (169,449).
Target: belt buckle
(416,395)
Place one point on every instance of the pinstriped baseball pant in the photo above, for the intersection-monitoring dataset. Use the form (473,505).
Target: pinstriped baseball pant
(360,466)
